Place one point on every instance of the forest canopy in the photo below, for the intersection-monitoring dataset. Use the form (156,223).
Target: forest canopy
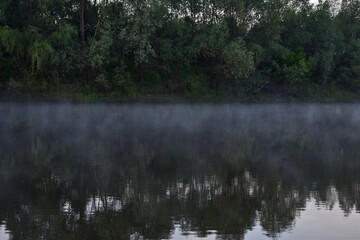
(193,47)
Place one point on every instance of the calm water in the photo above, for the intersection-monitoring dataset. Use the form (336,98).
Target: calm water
(272,171)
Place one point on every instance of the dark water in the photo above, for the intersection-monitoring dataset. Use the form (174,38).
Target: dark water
(179,171)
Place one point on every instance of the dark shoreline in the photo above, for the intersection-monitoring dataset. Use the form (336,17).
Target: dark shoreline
(173,98)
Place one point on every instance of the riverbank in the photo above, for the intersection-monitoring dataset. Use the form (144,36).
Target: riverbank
(271,95)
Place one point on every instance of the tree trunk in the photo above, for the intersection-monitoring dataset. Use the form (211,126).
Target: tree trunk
(103,3)
(29,13)
(82,22)
(140,73)
(82,35)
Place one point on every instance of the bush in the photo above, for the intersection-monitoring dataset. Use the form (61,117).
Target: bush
(238,61)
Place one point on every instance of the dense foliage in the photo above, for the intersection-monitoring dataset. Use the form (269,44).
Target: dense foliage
(194,47)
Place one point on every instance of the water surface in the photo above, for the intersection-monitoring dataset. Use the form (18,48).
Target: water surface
(153,171)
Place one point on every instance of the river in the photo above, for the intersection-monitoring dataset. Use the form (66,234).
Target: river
(179,171)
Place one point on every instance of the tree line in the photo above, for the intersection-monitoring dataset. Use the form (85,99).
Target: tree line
(127,47)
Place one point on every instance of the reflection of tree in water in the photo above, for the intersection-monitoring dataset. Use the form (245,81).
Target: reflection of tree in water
(99,176)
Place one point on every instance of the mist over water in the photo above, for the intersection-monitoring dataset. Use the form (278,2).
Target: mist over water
(171,171)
